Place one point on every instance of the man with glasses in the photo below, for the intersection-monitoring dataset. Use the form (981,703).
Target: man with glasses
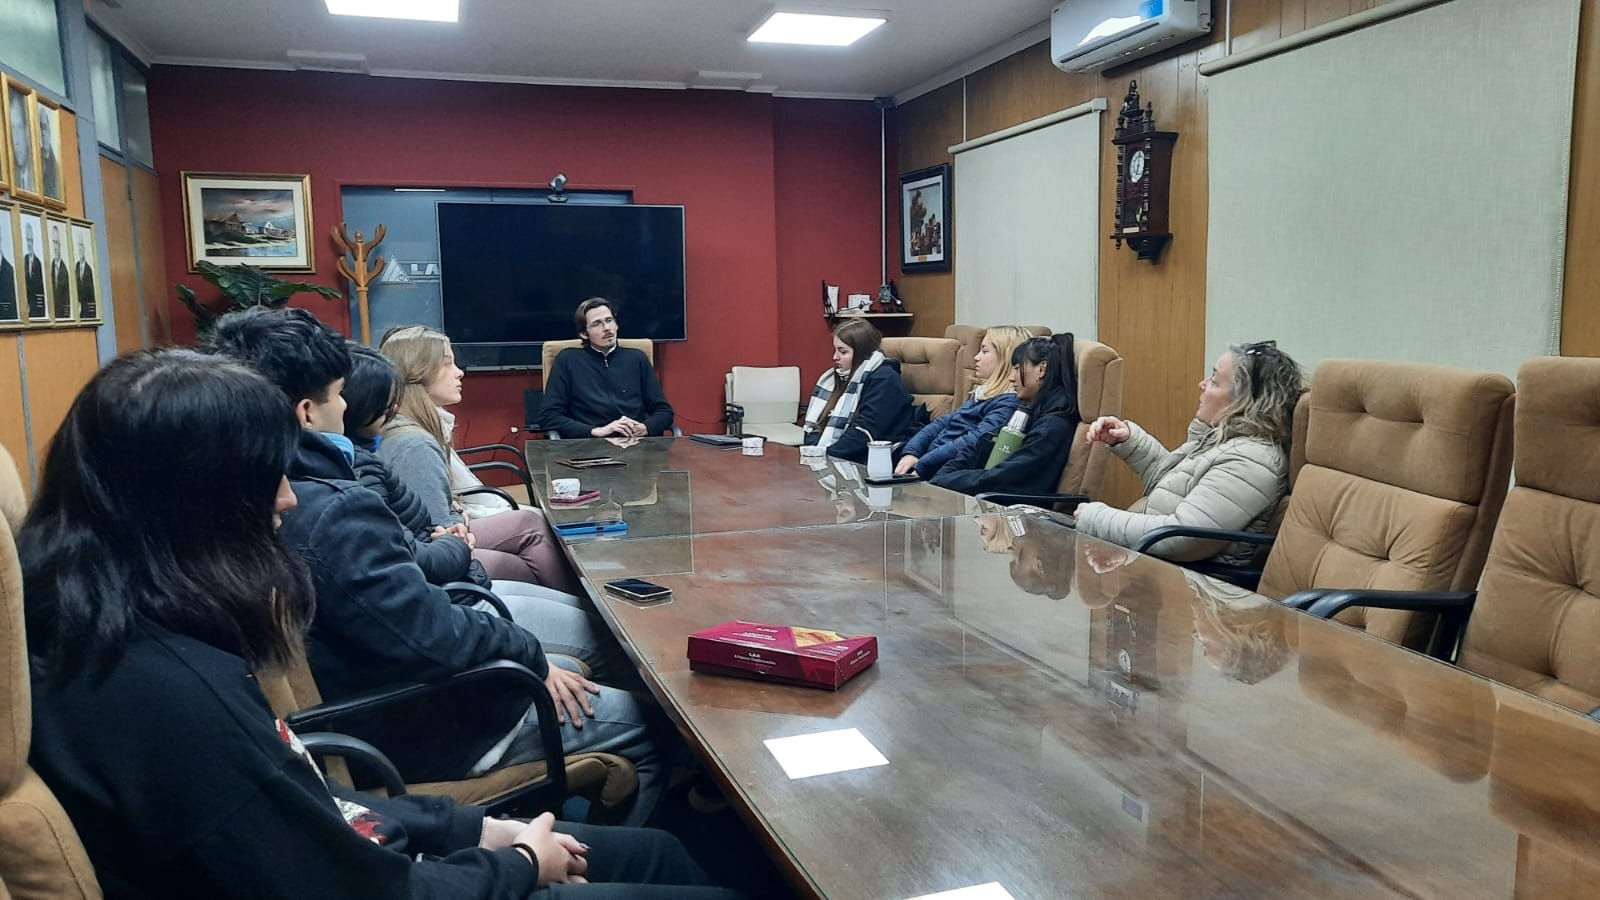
(601,389)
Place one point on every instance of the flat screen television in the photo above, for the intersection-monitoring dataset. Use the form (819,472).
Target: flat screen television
(512,273)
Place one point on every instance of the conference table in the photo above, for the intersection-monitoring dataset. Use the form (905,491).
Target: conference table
(1053,716)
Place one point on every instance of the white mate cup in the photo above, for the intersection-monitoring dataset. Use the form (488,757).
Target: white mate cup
(879,465)
(564,488)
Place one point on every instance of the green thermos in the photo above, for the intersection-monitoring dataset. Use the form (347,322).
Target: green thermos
(1009,439)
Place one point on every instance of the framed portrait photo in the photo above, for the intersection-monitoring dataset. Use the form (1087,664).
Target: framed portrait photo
(5,141)
(31,260)
(11,290)
(58,262)
(22,130)
(252,220)
(925,220)
(52,179)
(85,272)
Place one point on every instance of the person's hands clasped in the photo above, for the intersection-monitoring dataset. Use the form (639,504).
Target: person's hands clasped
(571,691)
(560,857)
(1108,430)
(906,465)
(622,426)
(459,530)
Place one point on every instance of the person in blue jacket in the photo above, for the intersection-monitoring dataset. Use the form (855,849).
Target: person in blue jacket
(860,399)
(1045,375)
(992,402)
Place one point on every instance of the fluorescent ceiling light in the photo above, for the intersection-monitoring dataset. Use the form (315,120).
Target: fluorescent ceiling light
(418,10)
(814,29)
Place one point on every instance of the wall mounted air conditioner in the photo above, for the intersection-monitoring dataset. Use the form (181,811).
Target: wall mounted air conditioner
(1087,35)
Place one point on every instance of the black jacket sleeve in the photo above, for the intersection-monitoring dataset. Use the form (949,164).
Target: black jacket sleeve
(554,414)
(443,559)
(657,411)
(1034,468)
(884,410)
(378,620)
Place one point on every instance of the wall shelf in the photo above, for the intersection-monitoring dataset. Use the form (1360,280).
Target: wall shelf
(871,315)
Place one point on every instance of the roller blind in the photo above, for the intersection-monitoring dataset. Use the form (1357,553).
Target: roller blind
(1398,191)
(1027,225)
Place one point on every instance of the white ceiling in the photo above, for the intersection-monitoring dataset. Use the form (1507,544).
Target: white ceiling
(653,43)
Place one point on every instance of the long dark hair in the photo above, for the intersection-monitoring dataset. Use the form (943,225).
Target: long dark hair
(370,390)
(1058,393)
(155,506)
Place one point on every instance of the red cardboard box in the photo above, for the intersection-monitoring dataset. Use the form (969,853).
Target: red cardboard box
(789,654)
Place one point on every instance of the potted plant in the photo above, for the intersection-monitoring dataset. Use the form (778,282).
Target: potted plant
(242,287)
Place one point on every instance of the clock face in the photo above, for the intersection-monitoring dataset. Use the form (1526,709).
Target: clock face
(1136,167)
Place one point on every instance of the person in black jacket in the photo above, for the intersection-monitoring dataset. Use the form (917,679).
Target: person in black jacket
(150,726)
(1044,373)
(601,389)
(378,621)
(861,398)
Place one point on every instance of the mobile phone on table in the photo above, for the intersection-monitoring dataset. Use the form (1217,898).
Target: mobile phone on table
(638,590)
(593,526)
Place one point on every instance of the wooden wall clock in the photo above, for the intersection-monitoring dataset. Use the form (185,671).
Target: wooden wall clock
(1144,177)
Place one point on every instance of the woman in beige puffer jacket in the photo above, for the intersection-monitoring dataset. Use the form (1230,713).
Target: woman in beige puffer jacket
(1231,472)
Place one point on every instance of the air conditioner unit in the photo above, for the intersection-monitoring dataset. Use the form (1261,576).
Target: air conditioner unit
(1087,35)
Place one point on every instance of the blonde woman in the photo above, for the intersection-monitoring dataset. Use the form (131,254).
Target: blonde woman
(1230,474)
(985,412)
(512,544)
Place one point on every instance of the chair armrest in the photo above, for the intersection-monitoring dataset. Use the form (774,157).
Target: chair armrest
(1303,599)
(498,465)
(490,489)
(1334,602)
(323,744)
(437,731)
(1045,500)
(463,451)
(550,434)
(1157,535)
(676,431)
(465,593)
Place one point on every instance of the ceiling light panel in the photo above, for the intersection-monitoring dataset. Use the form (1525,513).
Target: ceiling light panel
(814,29)
(416,10)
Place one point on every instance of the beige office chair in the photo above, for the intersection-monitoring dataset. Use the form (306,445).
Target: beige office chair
(1406,467)
(929,371)
(766,401)
(1535,618)
(40,853)
(971,339)
(553,349)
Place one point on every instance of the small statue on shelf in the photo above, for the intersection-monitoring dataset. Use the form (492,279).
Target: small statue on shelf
(830,299)
(889,297)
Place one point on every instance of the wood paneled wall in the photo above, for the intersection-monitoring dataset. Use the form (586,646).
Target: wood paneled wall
(58,363)
(153,285)
(13,430)
(1155,315)
(124,274)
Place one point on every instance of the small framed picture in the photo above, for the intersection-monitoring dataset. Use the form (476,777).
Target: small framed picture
(249,220)
(31,237)
(22,130)
(5,140)
(52,179)
(85,272)
(10,269)
(59,286)
(925,220)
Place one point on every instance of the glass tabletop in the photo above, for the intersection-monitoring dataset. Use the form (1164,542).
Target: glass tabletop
(1069,719)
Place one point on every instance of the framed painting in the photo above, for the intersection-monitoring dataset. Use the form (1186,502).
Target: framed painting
(253,220)
(30,235)
(52,179)
(22,136)
(11,290)
(925,220)
(59,287)
(85,272)
(5,140)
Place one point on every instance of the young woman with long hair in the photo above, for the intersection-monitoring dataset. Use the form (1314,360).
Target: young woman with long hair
(418,447)
(860,399)
(992,402)
(1230,473)
(155,588)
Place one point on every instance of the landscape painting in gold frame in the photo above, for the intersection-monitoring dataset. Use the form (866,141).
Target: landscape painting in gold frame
(249,220)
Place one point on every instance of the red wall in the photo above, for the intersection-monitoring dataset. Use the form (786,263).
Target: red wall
(778,194)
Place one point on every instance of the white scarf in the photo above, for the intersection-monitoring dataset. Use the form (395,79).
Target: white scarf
(476,506)
(846,410)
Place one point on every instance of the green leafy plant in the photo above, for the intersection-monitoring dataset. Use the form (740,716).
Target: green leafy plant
(242,287)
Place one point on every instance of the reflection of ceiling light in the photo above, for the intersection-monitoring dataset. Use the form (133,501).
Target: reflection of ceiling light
(419,10)
(1110,27)
(819,30)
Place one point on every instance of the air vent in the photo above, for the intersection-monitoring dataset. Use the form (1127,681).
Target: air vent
(317,61)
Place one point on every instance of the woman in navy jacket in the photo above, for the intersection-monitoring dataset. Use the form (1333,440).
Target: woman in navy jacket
(861,398)
(985,412)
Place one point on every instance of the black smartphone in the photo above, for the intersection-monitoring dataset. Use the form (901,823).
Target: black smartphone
(638,590)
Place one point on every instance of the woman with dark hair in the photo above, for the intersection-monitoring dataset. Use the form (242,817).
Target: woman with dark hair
(872,404)
(1231,472)
(1044,374)
(149,724)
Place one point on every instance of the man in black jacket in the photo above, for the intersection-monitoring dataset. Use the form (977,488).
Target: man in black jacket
(378,621)
(601,389)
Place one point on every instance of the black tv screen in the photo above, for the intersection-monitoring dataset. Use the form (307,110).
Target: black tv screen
(512,273)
